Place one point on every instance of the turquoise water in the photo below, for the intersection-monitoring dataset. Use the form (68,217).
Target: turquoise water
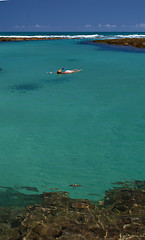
(85,128)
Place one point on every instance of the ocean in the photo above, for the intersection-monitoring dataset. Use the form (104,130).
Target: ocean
(85,128)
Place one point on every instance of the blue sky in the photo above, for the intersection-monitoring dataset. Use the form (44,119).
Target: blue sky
(72,15)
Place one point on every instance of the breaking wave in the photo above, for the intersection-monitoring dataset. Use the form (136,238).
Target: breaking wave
(55,36)
(103,35)
(130,36)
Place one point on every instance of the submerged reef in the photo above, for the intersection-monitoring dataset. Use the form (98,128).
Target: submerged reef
(134,42)
(54,215)
(25,87)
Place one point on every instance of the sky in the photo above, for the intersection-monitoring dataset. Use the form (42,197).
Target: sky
(72,15)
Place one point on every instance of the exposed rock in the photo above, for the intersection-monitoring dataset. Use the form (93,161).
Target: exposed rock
(135,42)
(75,185)
(33,189)
(14,39)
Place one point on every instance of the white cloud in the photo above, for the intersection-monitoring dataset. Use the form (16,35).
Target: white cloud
(141,25)
(88,25)
(37,26)
(110,26)
(40,26)
(17,26)
(3,0)
(107,25)
(23,26)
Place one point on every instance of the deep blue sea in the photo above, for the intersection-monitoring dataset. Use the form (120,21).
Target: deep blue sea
(86,128)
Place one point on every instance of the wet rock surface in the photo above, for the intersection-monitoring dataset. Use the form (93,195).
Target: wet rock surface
(120,215)
(134,42)
(14,39)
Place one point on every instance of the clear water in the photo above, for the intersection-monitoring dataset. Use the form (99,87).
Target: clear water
(85,128)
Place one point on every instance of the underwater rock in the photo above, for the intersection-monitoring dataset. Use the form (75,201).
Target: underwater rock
(140,184)
(33,189)
(53,188)
(120,215)
(75,185)
(26,87)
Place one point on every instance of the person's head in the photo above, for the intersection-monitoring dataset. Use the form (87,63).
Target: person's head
(60,71)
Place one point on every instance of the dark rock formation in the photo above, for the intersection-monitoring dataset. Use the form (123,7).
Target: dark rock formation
(120,215)
(135,42)
(14,39)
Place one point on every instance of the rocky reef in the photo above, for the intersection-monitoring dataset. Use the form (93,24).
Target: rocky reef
(134,42)
(14,39)
(54,215)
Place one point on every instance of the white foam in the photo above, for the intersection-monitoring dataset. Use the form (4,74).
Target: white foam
(130,36)
(78,36)
(22,36)
(54,36)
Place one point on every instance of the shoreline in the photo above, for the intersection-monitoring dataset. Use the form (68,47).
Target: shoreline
(19,38)
(134,42)
(15,39)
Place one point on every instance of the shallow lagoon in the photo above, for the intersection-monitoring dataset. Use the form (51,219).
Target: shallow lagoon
(86,128)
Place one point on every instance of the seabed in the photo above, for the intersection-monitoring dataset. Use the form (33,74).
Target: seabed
(54,215)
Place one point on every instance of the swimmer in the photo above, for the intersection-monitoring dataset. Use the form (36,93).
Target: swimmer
(68,71)
(60,71)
